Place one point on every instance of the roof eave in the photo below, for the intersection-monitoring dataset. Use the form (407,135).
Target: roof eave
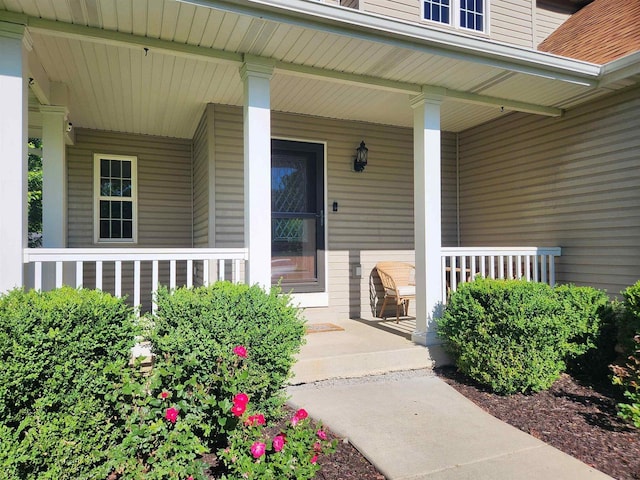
(368,26)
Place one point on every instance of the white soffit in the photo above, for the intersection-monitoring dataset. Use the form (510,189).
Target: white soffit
(115,87)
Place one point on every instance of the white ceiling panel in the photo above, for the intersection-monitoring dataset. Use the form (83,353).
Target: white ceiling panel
(115,86)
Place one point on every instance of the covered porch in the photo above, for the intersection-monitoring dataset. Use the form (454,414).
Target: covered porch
(212,89)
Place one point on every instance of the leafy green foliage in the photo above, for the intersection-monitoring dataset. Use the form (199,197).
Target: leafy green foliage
(34,194)
(255,452)
(516,336)
(628,376)
(197,327)
(58,349)
(627,373)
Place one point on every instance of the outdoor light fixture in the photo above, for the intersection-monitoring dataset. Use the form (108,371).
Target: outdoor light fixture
(360,161)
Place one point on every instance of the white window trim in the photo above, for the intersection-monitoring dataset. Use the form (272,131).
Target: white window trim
(96,197)
(455,18)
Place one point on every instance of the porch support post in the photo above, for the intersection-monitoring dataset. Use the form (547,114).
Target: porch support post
(54,198)
(256,76)
(13,157)
(427,211)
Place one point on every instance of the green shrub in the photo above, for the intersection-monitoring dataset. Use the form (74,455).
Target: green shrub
(515,336)
(197,328)
(56,349)
(628,376)
(629,324)
(626,372)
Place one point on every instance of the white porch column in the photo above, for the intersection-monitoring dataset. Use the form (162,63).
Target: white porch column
(256,75)
(13,155)
(54,180)
(427,211)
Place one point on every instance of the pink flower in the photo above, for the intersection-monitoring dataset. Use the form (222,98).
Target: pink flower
(299,415)
(171,414)
(190,477)
(257,419)
(258,449)
(314,459)
(278,442)
(240,351)
(317,447)
(322,435)
(241,399)
(164,394)
(238,409)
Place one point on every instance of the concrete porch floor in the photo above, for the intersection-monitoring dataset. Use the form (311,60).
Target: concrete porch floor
(363,347)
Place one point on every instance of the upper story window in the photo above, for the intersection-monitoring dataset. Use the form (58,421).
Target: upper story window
(115,198)
(468,14)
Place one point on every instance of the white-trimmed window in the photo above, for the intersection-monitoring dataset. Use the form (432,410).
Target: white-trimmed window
(466,14)
(115,191)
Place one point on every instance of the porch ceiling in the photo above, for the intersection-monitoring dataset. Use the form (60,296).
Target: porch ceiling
(96,48)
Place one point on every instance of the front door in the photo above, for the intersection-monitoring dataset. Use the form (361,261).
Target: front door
(297,215)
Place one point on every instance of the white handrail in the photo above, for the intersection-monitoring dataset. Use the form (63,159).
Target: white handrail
(191,258)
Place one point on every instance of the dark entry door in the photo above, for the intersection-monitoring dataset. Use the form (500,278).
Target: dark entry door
(297,215)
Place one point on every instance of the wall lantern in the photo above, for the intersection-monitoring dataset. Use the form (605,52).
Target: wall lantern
(360,161)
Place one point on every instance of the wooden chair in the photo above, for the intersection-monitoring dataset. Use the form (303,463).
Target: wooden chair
(398,280)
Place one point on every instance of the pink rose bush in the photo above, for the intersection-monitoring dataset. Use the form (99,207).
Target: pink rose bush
(240,351)
(252,453)
(171,414)
(171,418)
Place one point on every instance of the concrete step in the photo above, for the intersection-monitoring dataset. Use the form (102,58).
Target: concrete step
(359,348)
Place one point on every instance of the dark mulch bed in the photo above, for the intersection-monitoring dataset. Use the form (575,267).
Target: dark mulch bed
(578,419)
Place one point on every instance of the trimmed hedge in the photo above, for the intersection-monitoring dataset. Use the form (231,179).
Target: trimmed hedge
(55,350)
(516,336)
(206,323)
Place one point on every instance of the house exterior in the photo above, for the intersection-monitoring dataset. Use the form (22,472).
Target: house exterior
(180,134)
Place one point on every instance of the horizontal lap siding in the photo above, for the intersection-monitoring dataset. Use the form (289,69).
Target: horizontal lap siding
(547,20)
(403,9)
(164,194)
(512,22)
(572,182)
(375,207)
(201,185)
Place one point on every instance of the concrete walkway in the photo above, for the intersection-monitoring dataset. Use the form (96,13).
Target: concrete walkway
(412,425)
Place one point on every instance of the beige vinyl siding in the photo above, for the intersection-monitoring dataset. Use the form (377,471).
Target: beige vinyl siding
(402,9)
(572,182)
(164,198)
(375,207)
(512,22)
(449,186)
(547,20)
(201,184)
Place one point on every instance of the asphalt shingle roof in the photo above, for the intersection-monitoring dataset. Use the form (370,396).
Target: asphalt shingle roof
(598,33)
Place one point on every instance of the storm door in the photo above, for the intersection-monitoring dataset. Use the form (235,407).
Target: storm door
(297,215)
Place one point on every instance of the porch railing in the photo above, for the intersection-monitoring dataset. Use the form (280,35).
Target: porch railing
(459,265)
(135,272)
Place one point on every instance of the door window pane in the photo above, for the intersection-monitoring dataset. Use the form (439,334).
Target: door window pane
(297,227)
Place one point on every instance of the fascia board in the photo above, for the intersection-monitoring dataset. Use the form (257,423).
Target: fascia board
(372,27)
(620,69)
